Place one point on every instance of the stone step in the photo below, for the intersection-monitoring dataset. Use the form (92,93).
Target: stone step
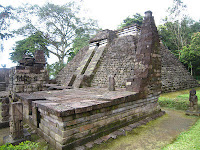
(83,65)
(90,69)
(86,60)
(78,81)
(96,58)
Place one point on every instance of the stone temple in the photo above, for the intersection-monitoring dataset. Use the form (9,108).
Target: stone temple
(112,84)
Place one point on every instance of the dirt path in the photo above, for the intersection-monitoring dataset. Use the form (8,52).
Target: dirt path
(154,135)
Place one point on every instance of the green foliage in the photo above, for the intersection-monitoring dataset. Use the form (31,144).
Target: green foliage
(175,35)
(188,140)
(60,26)
(5,13)
(5,16)
(136,19)
(190,55)
(179,101)
(54,69)
(28,46)
(78,43)
(27,145)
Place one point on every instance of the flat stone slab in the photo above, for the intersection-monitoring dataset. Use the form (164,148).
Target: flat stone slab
(69,101)
(192,113)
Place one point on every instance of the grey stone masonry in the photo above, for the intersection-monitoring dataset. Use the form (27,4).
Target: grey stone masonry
(16,117)
(118,57)
(30,75)
(174,75)
(72,117)
(5,109)
(147,71)
(4,78)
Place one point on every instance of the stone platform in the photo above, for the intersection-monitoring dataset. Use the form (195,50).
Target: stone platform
(71,101)
(71,117)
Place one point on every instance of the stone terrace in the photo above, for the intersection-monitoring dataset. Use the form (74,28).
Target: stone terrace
(70,101)
(70,117)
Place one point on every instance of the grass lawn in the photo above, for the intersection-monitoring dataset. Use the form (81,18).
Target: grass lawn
(189,140)
(177,100)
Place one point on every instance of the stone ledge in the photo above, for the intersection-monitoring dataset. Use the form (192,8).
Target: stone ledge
(72,101)
(192,113)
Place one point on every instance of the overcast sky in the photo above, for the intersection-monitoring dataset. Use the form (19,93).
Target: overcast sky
(109,13)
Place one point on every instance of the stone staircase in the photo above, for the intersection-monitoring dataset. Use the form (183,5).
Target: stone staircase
(87,67)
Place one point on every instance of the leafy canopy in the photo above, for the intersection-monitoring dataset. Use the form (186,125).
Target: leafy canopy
(28,46)
(136,19)
(190,55)
(59,25)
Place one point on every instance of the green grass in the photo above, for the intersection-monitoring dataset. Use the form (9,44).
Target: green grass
(177,100)
(189,140)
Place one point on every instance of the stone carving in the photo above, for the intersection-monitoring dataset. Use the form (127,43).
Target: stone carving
(5,109)
(111,86)
(17,133)
(193,106)
(193,101)
(16,127)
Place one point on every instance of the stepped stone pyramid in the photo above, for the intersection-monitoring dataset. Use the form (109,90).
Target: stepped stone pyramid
(114,53)
(174,75)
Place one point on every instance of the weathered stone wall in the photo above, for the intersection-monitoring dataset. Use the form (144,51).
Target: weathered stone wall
(4,78)
(24,80)
(174,75)
(4,109)
(30,75)
(117,60)
(147,72)
(71,130)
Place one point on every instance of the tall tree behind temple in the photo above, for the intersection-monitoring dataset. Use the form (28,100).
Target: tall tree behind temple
(59,24)
(5,16)
(173,27)
(28,46)
(190,55)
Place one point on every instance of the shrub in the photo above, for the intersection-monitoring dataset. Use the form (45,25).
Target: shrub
(27,145)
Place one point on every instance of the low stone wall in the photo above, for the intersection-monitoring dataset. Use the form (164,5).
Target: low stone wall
(69,129)
(24,79)
(4,78)
(5,109)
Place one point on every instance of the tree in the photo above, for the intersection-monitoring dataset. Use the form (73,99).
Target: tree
(190,55)
(78,43)
(5,15)
(173,24)
(28,46)
(137,19)
(60,26)
(174,40)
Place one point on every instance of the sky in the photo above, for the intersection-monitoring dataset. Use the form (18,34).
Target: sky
(108,13)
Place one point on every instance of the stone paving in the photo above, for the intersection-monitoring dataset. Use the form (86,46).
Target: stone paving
(76,100)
